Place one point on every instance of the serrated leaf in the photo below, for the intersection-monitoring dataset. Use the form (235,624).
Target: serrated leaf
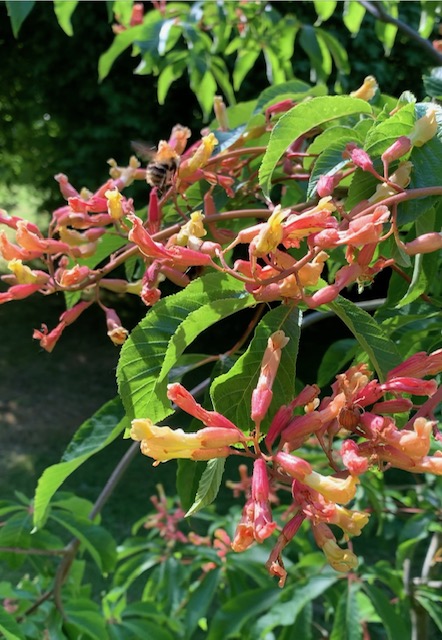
(236,612)
(18,12)
(380,349)
(392,621)
(64,10)
(9,627)
(93,436)
(158,341)
(208,485)
(301,119)
(347,621)
(231,393)
(329,163)
(281,91)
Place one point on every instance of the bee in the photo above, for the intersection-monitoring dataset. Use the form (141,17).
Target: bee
(163,163)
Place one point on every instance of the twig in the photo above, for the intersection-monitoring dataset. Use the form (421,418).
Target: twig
(378,12)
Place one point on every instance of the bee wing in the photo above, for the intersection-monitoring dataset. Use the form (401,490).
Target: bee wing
(144,150)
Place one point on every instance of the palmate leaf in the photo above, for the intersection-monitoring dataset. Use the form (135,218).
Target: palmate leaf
(93,436)
(160,338)
(232,392)
(374,342)
(301,119)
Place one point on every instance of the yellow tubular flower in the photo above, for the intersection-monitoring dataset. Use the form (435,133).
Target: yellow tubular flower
(23,273)
(424,129)
(339,559)
(194,227)
(199,158)
(401,177)
(114,205)
(334,489)
(270,234)
(367,90)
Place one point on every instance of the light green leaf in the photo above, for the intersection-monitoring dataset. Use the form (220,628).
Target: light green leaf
(160,338)
(274,71)
(324,9)
(245,60)
(93,436)
(232,392)
(301,119)
(9,627)
(337,51)
(64,10)
(347,621)
(18,12)
(318,53)
(209,485)
(329,162)
(393,623)
(120,43)
(169,74)
(386,32)
(353,15)
(374,342)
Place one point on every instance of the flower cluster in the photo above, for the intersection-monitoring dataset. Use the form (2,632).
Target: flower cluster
(359,416)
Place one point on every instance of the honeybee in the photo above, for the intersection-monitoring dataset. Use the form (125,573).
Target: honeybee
(164,162)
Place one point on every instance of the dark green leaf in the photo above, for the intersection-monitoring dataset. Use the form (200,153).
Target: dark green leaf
(64,10)
(158,341)
(281,92)
(301,119)
(200,601)
(347,621)
(380,349)
(433,609)
(238,611)
(329,162)
(394,623)
(188,478)
(17,12)
(334,359)
(232,392)
(208,485)
(433,83)
(93,436)
(85,619)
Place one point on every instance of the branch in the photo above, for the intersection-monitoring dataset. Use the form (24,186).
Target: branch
(378,12)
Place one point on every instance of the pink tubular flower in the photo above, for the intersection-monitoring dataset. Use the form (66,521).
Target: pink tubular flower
(359,157)
(418,365)
(256,522)
(274,564)
(351,459)
(10,251)
(19,292)
(283,416)
(31,241)
(365,230)
(116,332)
(185,401)
(76,275)
(414,386)
(48,340)
(425,243)
(66,189)
(262,394)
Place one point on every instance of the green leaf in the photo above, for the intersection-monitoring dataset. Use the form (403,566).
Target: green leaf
(334,359)
(238,611)
(433,83)
(208,486)
(169,74)
(93,436)
(329,162)
(188,478)
(205,92)
(200,601)
(245,60)
(119,44)
(347,622)
(274,71)
(9,627)
(319,55)
(157,342)
(433,609)
(392,621)
(296,598)
(386,32)
(374,342)
(324,9)
(64,10)
(353,15)
(281,92)
(301,119)
(232,392)
(338,52)
(17,12)
(95,539)
(84,619)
